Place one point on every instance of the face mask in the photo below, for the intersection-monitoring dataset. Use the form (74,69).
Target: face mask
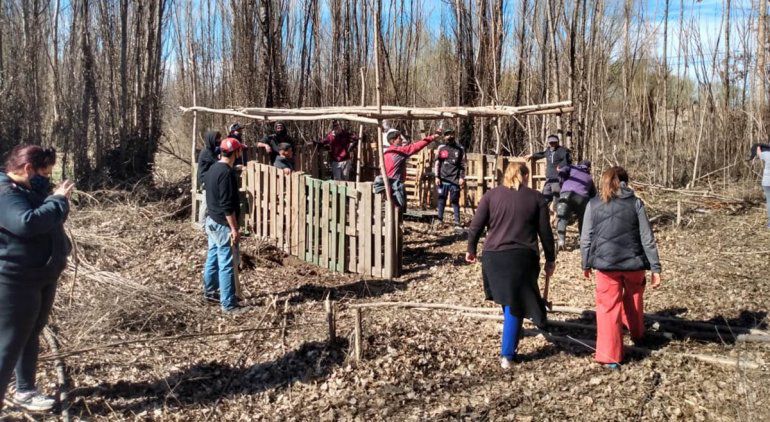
(40,183)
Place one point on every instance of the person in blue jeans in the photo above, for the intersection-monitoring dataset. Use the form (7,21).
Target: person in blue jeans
(763,151)
(222,229)
(449,169)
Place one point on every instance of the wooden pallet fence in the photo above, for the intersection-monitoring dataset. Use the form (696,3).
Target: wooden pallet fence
(483,172)
(341,226)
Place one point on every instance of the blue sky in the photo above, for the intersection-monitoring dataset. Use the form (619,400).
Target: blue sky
(703,17)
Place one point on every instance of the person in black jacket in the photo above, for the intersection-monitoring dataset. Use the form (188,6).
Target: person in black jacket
(449,169)
(33,254)
(617,241)
(270,142)
(207,157)
(222,228)
(556,156)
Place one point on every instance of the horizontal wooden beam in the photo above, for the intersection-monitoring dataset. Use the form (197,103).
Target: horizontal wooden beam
(371,115)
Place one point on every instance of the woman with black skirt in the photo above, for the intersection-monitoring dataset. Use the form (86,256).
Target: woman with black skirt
(516,216)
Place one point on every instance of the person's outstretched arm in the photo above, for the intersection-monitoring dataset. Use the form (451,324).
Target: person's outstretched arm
(19,218)
(586,237)
(648,238)
(544,230)
(413,148)
(479,222)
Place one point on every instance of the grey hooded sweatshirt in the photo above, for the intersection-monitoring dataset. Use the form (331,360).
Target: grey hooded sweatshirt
(617,235)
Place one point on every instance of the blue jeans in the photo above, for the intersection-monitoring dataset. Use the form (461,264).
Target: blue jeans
(453,192)
(218,271)
(511,333)
(767,199)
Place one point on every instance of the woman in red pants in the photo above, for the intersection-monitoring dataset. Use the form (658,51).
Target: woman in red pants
(617,241)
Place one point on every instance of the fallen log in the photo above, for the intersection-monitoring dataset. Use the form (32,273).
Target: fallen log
(151,340)
(660,318)
(61,372)
(707,327)
(737,363)
(669,333)
(591,344)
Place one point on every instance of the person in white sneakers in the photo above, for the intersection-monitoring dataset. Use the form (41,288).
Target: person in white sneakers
(33,254)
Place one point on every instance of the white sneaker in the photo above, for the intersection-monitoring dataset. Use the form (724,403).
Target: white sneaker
(506,363)
(33,401)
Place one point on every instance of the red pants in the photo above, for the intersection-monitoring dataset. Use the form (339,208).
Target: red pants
(618,301)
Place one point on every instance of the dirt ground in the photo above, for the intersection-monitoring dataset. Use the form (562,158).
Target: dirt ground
(138,277)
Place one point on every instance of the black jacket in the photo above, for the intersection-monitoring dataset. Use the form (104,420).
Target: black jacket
(208,156)
(617,235)
(222,197)
(450,163)
(560,157)
(33,245)
(276,139)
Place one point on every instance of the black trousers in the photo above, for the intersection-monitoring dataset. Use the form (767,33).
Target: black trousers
(570,204)
(24,310)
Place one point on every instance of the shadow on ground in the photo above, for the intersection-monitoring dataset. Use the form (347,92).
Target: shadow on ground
(205,384)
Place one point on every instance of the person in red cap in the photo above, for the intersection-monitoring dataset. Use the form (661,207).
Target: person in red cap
(395,158)
(222,227)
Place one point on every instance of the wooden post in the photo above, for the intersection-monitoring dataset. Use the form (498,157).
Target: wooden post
(378,87)
(329,307)
(194,136)
(678,213)
(497,151)
(236,274)
(358,333)
(193,175)
(360,149)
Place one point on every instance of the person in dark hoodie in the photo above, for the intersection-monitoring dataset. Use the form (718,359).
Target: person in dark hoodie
(33,254)
(271,142)
(618,242)
(576,189)
(556,156)
(235,131)
(207,157)
(449,169)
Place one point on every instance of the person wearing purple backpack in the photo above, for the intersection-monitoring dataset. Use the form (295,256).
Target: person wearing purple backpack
(576,190)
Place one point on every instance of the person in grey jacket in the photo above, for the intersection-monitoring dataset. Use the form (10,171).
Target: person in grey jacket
(617,241)
(556,156)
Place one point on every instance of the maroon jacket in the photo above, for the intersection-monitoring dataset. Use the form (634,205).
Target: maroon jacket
(395,157)
(339,145)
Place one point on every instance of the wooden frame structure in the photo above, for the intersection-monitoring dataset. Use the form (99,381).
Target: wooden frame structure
(345,226)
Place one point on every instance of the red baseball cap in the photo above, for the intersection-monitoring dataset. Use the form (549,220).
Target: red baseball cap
(229,145)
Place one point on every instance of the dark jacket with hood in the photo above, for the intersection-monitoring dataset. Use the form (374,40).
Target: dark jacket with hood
(556,158)
(33,245)
(276,139)
(617,235)
(208,155)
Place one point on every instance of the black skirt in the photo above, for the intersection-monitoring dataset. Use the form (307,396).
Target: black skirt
(510,279)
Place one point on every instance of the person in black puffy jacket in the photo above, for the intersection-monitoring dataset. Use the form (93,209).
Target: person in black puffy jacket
(33,254)
(617,241)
